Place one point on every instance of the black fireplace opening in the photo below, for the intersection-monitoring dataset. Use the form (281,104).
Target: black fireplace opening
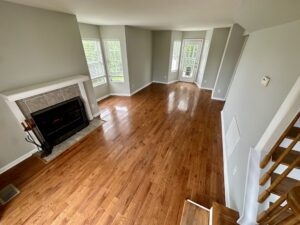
(59,122)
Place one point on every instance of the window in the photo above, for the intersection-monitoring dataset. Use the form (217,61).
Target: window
(113,57)
(93,54)
(175,56)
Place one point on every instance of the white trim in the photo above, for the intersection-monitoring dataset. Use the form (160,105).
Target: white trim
(206,88)
(226,178)
(159,82)
(173,81)
(196,204)
(120,94)
(211,216)
(198,85)
(85,100)
(136,91)
(17,161)
(103,97)
(37,89)
(218,99)
(96,114)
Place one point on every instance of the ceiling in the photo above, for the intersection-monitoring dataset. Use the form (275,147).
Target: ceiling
(176,14)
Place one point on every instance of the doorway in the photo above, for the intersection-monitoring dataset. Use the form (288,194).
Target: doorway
(190,59)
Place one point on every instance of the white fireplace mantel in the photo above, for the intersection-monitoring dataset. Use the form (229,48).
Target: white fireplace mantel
(29,91)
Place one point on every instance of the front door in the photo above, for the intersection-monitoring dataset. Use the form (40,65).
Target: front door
(190,59)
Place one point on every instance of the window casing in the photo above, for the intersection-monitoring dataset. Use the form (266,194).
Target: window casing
(113,56)
(175,56)
(93,54)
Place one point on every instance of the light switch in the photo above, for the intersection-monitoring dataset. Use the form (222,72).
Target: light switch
(265,81)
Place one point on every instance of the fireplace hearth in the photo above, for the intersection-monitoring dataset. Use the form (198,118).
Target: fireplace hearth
(59,122)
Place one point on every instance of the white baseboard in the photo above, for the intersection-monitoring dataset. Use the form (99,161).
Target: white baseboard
(205,88)
(159,82)
(173,81)
(120,94)
(198,85)
(226,178)
(96,114)
(218,99)
(136,91)
(103,97)
(17,161)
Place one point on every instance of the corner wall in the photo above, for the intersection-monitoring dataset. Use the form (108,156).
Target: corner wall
(161,55)
(274,52)
(217,46)
(139,56)
(36,46)
(229,61)
(175,36)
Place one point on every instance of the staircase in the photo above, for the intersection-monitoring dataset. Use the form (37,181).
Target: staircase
(280,184)
(194,214)
(281,179)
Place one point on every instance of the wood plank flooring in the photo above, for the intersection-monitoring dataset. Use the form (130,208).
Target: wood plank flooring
(157,148)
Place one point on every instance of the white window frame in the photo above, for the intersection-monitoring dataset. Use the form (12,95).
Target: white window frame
(107,62)
(101,61)
(173,60)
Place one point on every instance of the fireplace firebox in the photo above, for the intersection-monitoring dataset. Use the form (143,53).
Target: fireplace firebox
(59,122)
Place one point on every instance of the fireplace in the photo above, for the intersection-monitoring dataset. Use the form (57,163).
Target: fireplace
(59,122)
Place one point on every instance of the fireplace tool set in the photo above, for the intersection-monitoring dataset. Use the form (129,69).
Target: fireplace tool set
(44,147)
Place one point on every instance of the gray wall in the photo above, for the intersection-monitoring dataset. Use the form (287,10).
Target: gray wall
(118,33)
(36,46)
(230,58)
(217,46)
(89,31)
(161,55)
(175,36)
(139,56)
(274,52)
(194,34)
(204,56)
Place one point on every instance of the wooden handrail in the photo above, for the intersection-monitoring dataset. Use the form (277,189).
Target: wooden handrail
(268,174)
(263,196)
(272,209)
(268,156)
(275,214)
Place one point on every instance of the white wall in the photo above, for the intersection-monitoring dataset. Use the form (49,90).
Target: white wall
(89,31)
(274,52)
(175,36)
(161,55)
(139,56)
(229,61)
(36,46)
(217,46)
(118,33)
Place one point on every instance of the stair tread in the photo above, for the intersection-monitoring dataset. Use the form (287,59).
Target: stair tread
(223,215)
(293,132)
(194,215)
(284,186)
(288,159)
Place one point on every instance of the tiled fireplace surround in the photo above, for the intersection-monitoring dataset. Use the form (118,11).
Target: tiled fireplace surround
(44,100)
(22,102)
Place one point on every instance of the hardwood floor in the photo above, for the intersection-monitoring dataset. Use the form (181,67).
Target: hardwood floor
(156,149)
